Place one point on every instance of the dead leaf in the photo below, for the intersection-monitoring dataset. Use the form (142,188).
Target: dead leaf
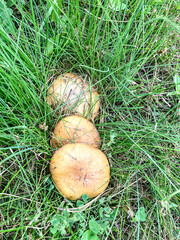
(43,127)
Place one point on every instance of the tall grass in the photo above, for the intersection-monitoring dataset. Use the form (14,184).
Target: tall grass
(131,57)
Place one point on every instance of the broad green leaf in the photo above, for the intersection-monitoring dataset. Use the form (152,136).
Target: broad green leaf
(85,197)
(104,226)
(66,213)
(55,221)
(79,203)
(117,5)
(94,226)
(53,230)
(51,187)
(78,217)
(11,3)
(102,200)
(94,237)
(5,18)
(62,229)
(140,215)
(88,235)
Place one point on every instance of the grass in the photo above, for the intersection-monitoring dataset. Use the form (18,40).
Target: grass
(131,56)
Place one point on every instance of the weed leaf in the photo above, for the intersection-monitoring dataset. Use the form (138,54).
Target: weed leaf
(85,197)
(117,5)
(88,235)
(140,215)
(94,226)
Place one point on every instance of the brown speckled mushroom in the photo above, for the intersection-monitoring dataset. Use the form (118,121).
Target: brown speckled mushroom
(79,98)
(75,129)
(78,169)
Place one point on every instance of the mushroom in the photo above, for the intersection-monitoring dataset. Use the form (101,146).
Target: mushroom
(78,169)
(75,129)
(78,97)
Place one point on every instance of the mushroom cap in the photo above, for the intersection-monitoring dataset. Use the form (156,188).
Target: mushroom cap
(72,90)
(79,169)
(75,129)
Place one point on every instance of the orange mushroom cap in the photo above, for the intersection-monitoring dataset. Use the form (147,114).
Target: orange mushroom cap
(78,96)
(75,129)
(79,169)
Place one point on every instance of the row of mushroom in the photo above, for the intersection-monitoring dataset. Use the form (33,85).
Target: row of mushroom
(78,166)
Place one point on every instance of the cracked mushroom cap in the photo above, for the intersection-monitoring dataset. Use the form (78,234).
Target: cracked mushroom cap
(75,129)
(77,95)
(79,169)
